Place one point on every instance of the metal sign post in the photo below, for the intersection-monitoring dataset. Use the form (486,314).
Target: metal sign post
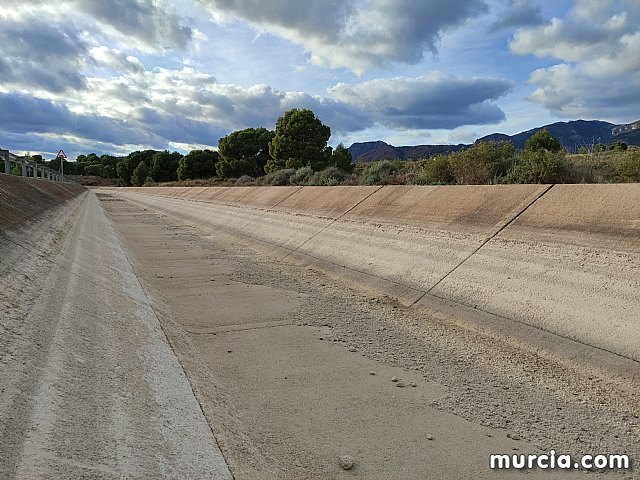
(61,155)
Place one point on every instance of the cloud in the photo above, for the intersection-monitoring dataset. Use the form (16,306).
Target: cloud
(22,114)
(357,34)
(433,101)
(163,107)
(41,55)
(147,22)
(116,60)
(518,13)
(148,25)
(598,44)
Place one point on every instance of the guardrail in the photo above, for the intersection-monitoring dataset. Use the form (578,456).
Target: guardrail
(31,168)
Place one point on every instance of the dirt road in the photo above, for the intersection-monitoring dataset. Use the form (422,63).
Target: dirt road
(141,341)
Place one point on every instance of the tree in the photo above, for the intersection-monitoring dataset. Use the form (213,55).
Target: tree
(618,146)
(245,152)
(109,162)
(95,169)
(139,174)
(197,164)
(126,165)
(164,166)
(542,140)
(300,140)
(341,159)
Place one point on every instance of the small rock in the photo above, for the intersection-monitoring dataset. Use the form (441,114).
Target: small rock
(412,384)
(229,351)
(394,379)
(346,462)
(516,437)
(429,437)
(353,349)
(372,373)
(400,384)
(321,338)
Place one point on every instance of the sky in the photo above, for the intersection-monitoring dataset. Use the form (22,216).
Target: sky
(115,76)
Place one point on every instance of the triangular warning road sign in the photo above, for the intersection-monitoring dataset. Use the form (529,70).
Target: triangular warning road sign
(61,154)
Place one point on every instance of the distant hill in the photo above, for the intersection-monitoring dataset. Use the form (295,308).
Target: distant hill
(573,135)
(379,150)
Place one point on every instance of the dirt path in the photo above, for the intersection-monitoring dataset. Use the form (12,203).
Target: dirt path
(90,388)
(294,369)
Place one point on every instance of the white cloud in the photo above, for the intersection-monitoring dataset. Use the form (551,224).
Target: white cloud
(357,34)
(598,43)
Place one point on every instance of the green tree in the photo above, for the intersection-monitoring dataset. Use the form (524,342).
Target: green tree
(618,146)
(245,152)
(126,165)
(139,174)
(197,164)
(300,140)
(341,159)
(93,158)
(542,140)
(95,169)
(109,162)
(482,163)
(164,166)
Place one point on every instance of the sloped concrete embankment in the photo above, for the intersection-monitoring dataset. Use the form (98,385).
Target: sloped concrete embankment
(33,214)
(23,200)
(552,262)
(90,386)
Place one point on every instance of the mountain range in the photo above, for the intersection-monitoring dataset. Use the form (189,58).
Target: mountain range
(573,135)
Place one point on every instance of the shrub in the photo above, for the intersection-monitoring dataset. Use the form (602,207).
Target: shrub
(481,164)
(150,182)
(301,176)
(629,168)
(245,180)
(437,170)
(279,177)
(540,166)
(328,177)
(380,172)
